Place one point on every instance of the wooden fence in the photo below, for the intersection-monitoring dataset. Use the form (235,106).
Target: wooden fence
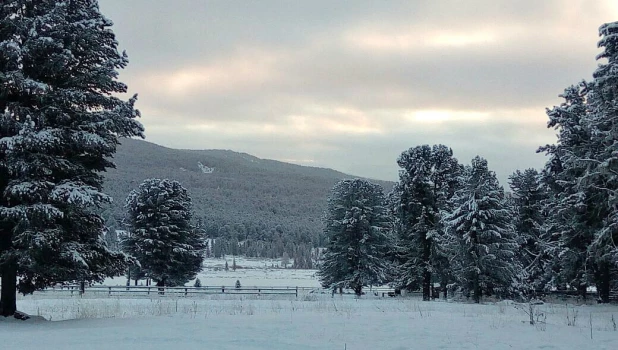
(175,291)
(145,291)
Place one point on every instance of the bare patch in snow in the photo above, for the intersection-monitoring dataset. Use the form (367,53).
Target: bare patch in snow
(205,169)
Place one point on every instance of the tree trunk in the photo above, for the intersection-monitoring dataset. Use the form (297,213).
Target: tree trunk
(8,296)
(161,285)
(443,285)
(582,291)
(477,290)
(8,275)
(426,284)
(426,269)
(603,283)
(358,290)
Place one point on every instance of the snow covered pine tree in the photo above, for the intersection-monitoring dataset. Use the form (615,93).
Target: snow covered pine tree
(59,123)
(481,243)
(161,235)
(427,180)
(583,170)
(603,100)
(530,196)
(357,230)
(572,218)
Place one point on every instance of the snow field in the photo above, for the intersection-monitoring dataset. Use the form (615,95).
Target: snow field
(309,322)
(259,278)
(253,272)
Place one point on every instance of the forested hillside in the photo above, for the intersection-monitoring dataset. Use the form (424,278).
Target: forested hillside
(268,206)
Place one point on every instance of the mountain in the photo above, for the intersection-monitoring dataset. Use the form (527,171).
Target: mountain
(236,196)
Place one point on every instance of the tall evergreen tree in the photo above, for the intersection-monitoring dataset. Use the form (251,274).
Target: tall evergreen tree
(602,173)
(529,195)
(428,178)
(572,209)
(357,227)
(162,236)
(60,121)
(583,174)
(481,238)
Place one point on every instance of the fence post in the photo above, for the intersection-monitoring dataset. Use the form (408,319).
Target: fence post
(148,290)
(297,292)
(109,291)
(222,289)
(186,292)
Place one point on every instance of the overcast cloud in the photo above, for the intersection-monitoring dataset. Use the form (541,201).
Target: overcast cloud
(351,84)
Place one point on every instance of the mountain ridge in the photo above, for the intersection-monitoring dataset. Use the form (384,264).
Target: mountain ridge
(235,195)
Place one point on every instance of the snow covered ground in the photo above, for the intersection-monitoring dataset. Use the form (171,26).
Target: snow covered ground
(250,273)
(309,322)
(255,273)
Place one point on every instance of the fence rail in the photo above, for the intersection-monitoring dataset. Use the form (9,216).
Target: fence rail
(149,291)
(176,291)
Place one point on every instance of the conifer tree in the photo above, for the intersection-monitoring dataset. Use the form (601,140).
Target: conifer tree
(428,178)
(602,173)
(285,260)
(576,207)
(357,227)
(481,241)
(529,196)
(135,273)
(60,121)
(162,236)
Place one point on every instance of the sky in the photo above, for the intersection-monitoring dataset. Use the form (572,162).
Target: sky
(349,85)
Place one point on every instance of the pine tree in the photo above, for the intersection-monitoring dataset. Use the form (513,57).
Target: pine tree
(602,172)
(302,258)
(111,238)
(135,273)
(162,236)
(285,260)
(60,121)
(217,248)
(428,178)
(529,195)
(481,241)
(575,209)
(357,227)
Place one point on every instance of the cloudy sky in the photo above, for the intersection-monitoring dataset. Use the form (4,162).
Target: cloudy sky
(351,84)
